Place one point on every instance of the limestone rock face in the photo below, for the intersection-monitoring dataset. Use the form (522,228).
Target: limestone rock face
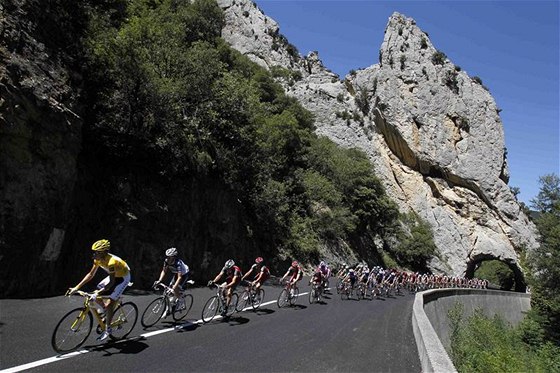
(433,133)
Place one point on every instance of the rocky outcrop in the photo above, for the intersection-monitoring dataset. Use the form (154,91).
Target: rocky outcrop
(433,133)
(40,137)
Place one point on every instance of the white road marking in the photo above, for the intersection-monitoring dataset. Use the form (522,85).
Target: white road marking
(69,355)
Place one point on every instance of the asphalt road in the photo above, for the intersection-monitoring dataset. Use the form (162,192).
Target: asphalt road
(333,336)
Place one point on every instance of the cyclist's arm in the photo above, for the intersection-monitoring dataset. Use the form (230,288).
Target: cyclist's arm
(178,281)
(217,278)
(259,277)
(87,278)
(234,281)
(246,274)
(160,279)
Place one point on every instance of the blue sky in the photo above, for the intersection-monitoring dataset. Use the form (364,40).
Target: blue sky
(513,46)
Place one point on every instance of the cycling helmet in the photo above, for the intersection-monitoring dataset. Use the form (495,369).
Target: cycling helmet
(230,263)
(171,252)
(295,263)
(101,245)
(322,264)
(351,270)
(259,260)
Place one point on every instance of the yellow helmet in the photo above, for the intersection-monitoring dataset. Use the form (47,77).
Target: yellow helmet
(101,245)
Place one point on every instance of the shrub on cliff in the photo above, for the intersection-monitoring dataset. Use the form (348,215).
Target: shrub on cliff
(175,100)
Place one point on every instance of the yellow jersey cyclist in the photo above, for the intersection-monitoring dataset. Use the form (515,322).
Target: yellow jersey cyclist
(180,273)
(112,285)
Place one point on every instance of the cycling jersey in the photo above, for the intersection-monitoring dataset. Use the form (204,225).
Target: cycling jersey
(113,264)
(264,270)
(317,277)
(179,267)
(231,273)
(294,271)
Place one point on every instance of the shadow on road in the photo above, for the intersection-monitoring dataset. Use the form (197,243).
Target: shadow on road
(236,320)
(186,326)
(264,311)
(298,307)
(129,346)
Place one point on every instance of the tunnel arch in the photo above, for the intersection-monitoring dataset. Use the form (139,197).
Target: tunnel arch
(474,263)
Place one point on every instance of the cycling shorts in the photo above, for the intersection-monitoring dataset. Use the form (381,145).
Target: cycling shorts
(118,288)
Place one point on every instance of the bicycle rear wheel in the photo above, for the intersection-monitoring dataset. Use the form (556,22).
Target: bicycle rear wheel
(294,297)
(258,298)
(124,320)
(72,330)
(153,313)
(210,309)
(283,298)
(232,305)
(182,307)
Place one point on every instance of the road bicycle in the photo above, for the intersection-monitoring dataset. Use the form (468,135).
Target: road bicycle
(361,290)
(339,285)
(288,295)
(75,327)
(165,304)
(347,291)
(250,298)
(315,293)
(217,304)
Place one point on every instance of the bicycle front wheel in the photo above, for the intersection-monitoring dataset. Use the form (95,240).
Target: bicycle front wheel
(244,302)
(210,309)
(312,295)
(72,330)
(258,298)
(283,298)
(232,305)
(183,307)
(153,313)
(124,320)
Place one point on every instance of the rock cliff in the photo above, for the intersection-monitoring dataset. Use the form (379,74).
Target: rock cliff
(433,133)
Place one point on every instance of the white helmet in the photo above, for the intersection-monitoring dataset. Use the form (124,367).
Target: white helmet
(171,252)
(230,263)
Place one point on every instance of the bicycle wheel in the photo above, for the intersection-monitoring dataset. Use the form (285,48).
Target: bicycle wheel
(258,298)
(210,309)
(153,313)
(339,286)
(344,294)
(72,330)
(124,320)
(294,297)
(183,307)
(244,302)
(232,305)
(312,295)
(283,298)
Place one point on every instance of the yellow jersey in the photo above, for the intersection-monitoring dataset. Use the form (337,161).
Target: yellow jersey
(113,264)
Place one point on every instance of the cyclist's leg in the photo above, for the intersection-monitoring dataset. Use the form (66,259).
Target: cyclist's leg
(115,294)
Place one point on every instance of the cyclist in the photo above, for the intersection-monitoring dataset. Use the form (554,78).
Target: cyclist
(180,273)
(260,273)
(350,278)
(325,273)
(317,279)
(231,275)
(113,285)
(295,272)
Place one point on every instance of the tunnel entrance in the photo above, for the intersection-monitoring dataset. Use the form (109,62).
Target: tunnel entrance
(504,274)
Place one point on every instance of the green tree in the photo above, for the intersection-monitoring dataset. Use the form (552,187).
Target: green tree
(545,260)
(416,243)
(496,272)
